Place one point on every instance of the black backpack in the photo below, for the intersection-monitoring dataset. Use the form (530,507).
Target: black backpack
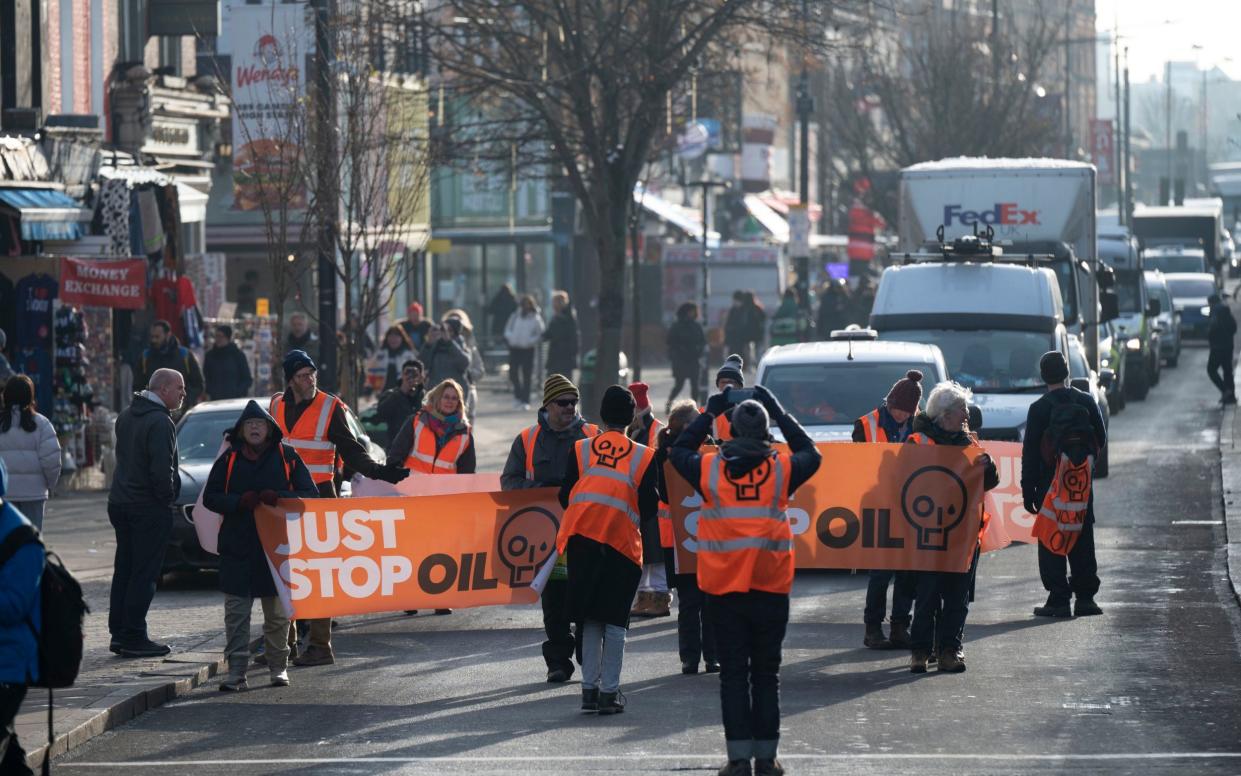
(1069,432)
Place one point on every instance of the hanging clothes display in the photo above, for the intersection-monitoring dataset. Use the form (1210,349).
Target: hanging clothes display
(152,226)
(35,293)
(8,310)
(35,363)
(170,216)
(112,216)
(164,301)
(187,311)
(73,392)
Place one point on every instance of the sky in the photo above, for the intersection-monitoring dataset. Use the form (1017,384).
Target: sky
(1159,30)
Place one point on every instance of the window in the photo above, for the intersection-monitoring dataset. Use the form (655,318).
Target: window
(986,361)
(836,393)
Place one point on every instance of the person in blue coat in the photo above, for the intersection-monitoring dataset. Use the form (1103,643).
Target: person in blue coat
(20,577)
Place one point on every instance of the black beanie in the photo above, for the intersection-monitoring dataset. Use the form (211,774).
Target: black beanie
(731,370)
(617,406)
(1053,367)
(295,361)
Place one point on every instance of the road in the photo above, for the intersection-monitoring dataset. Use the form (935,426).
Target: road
(1152,686)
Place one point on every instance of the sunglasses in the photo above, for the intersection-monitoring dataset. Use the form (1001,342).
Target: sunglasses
(565,402)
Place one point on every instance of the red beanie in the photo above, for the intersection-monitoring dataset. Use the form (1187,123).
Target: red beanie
(906,393)
(639,395)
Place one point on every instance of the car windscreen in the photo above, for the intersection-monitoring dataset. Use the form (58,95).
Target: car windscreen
(837,393)
(200,435)
(1129,291)
(1002,361)
(1191,288)
(1077,361)
(1176,262)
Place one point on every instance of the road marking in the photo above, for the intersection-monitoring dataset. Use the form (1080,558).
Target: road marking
(1197,522)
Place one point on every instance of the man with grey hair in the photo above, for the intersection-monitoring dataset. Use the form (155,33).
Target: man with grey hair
(144,487)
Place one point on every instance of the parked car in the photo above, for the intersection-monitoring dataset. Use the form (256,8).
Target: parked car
(1189,297)
(1136,321)
(1175,258)
(1083,378)
(1168,320)
(1111,361)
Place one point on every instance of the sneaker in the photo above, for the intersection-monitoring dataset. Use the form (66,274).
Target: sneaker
(952,661)
(1085,607)
(144,648)
(611,703)
(712,667)
(917,662)
(736,768)
(558,675)
(689,668)
(874,638)
(770,767)
(1049,610)
(314,656)
(234,684)
(280,680)
(590,699)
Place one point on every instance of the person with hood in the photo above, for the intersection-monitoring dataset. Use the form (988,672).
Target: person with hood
(539,458)
(437,439)
(523,332)
(686,341)
(29,448)
(257,468)
(609,489)
(458,325)
(445,355)
(226,370)
(1221,328)
(653,600)
(399,404)
(561,337)
(384,371)
(145,485)
(21,612)
(942,598)
(891,422)
(166,352)
(745,565)
(730,375)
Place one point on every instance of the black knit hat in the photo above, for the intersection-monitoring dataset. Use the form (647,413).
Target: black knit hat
(731,370)
(617,406)
(295,361)
(1053,367)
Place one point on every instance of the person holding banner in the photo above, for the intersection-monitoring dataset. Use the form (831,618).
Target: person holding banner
(942,598)
(313,423)
(608,491)
(258,468)
(437,439)
(539,458)
(653,600)
(745,562)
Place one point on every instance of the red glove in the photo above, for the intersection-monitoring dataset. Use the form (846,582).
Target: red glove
(249,500)
(268,497)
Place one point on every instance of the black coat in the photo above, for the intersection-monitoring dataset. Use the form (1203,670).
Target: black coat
(562,343)
(147,472)
(243,564)
(1036,473)
(176,357)
(602,583)
(226,372)
(1221,327)
(686,341)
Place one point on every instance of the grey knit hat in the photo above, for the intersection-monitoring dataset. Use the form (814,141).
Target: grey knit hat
(750,420)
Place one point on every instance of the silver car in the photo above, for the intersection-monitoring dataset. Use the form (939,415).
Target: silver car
(1169,319)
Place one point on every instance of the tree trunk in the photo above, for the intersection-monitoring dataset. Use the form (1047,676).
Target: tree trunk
(610,244)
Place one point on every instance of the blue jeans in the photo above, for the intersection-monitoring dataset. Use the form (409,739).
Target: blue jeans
(33,510)
(877,597)
(603,651)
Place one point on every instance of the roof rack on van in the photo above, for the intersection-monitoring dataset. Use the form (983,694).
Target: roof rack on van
(974,247)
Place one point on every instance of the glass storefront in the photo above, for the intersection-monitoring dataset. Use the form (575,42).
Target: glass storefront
(469,275)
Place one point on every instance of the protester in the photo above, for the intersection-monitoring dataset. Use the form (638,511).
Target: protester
(539,458)
(695,637)
(384,372)
(29,449)
(20,625)
(499,309)
(523,332)
(654,600)
(834,306)
(397,405)
(562,337)
(301,336)
(730,375)
(458,326)
(415,326)
(258,468)
(1221,329)
(609,488)
(891,422)
(942,598)
(1044,420)
(166,352)
(313,423)
(145,486)
(445,356)
(745,565)
(437,439)
(226,370)
(686,341)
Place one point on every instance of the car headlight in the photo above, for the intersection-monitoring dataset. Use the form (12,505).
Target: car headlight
(1133,344)
(1105,362)
(1206,311)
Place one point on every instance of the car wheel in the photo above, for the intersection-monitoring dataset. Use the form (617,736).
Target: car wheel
(1154,370)
(1139,386)
(1171,360)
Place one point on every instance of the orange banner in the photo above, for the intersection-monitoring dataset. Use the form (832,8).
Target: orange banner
(333,557)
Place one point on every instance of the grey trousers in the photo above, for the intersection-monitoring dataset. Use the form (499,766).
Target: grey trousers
(603,651)
(237,634)
(33,510)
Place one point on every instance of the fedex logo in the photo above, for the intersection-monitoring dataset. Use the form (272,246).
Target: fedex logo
(1003,214)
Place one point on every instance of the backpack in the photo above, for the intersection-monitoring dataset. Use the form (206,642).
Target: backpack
(1069,432)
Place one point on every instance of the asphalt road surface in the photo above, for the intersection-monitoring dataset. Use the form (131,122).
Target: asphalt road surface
(1152,686)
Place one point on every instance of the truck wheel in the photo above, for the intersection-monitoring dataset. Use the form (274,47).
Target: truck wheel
(1100,464)
(1138,385)
(1154,370)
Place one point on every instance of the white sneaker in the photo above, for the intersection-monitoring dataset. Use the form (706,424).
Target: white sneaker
(280,680)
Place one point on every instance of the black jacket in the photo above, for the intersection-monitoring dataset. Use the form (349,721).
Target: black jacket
(226,372)
(1221,327)
(395,407)
(173,356)
(1036,473)
(243,566)
(562,343)
(686,341)
(147,473)
(446,358)
(308,342)
(403,442)
(552,451)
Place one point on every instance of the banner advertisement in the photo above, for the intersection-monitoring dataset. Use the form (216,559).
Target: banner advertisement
(120,284)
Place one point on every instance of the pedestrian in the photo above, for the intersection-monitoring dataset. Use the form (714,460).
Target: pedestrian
(685,341)
(145,485)
(21,614)
(891,422)
(384,372)
(745,565)
(609,489)
(737,325)
(258,468)
(301,336)
(457,326)
(523,332)
(789,323)
(942,598)
(539,458)
(833,308)
(414,325)
(562,337)
(499,309)
(862,300)
(29,449)
(445,356)
(1038,467)
(397,405)
(730,375)
(437,439)
(313,423)
(653,600)
(226,370)
(755,318)
(166,352)
(1221,328)
(695,637)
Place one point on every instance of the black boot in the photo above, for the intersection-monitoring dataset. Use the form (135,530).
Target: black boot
(874,638)
(590,699)
(900,635)
(611,703)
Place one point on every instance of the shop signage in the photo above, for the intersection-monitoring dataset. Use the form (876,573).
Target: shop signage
(117,283)
(172,136)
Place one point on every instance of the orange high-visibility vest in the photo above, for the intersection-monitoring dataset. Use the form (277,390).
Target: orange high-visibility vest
(424,458)
(531,434)
(647,436)
(666,539)
(985,519)
(232,459)
(722,428)
(1060,521)
(744,539)
(309,434)
(872,429)
(603,504)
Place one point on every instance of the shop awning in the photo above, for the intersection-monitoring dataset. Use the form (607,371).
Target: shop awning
(688,220)
(46,215)
(192,203)
(770,220)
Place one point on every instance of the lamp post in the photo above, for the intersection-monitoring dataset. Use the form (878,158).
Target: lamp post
(328,189)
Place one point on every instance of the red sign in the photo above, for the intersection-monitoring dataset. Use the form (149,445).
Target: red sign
(1103,149)
(117,283)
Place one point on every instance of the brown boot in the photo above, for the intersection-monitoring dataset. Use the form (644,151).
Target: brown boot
(874,638)
(641,607)
(917,662)
(314,656)
(952,661)
(661,605)
(900,635)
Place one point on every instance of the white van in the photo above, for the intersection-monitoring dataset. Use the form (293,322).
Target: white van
(992,322)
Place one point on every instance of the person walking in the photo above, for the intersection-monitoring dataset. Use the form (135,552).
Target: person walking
(609,489)
(313,423)
(166,352)
(301,336)
(1221,329)
(21,614)
(539,458)
(226,370)
(258,468)
(397,405)
(384,372)
(437,439)
(29,448)
(686,341)
(789,323)
(942,598)
(414,325)
(445,356)
(653,600)
(834,307)
(562,337)
(891,422)
(1077,574)
(499,309)
(457,325)
(745,565)
(145,486)
(523,332)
